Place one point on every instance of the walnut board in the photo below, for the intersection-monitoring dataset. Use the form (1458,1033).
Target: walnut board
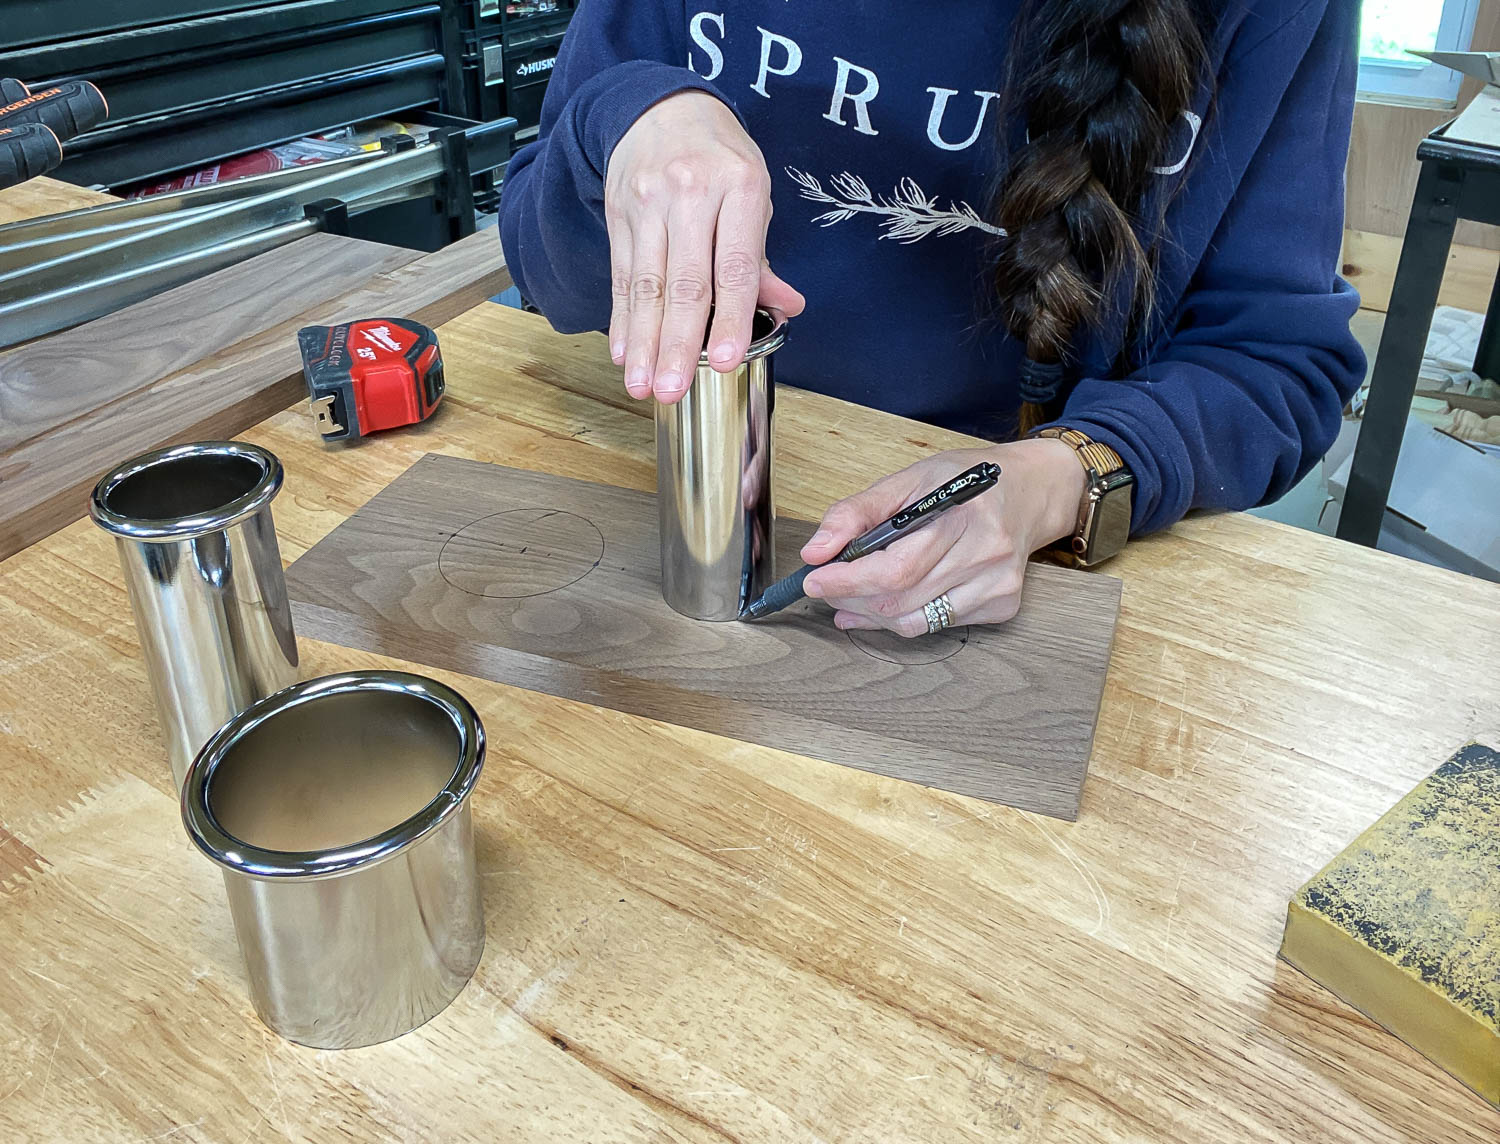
(552,584)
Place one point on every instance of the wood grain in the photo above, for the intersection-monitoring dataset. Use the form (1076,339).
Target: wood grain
(1369,263)
(205,360)
(50,382)
(545,582)
(697,939)
(37,197)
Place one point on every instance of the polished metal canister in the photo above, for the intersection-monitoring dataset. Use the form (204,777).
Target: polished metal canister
(339,812)
(713,483)
(193,528)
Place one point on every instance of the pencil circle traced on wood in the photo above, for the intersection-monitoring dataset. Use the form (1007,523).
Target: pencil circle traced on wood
(521,552)
(911,652)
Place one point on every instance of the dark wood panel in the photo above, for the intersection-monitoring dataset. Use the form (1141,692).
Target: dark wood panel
(552,584)
(49,382)
(209,359)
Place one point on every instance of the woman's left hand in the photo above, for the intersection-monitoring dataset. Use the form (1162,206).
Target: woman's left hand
(975,553)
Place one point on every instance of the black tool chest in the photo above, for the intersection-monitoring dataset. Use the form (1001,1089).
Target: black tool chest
(509,49)
(192,82)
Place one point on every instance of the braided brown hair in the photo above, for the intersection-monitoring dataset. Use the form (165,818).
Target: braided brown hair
(1100,85)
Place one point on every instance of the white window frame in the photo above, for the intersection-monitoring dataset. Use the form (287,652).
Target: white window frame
(1418,81)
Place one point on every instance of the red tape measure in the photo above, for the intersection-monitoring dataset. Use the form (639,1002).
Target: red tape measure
(365,376)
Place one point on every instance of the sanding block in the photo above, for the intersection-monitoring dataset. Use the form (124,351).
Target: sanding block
(1405,924)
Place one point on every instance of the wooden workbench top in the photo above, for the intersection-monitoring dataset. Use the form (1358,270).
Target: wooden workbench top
(691,938)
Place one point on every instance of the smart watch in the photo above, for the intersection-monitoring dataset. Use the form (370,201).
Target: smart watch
(1105,513)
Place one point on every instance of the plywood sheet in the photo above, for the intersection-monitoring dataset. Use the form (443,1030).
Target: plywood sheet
(43,196)
(208,359)
(552,584)
(1480,122)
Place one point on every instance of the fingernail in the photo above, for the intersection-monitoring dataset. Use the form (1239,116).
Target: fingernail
(638,382)
(670,383)
(723,352)
(821,537)
(617,352)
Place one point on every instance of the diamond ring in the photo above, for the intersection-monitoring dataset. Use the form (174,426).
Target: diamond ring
(939,614)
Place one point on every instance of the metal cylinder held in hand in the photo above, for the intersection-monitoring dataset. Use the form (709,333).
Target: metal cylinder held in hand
(713,483)
(338,810)
(193,528)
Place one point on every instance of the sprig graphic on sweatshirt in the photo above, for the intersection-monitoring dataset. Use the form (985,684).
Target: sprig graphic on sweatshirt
(909,215)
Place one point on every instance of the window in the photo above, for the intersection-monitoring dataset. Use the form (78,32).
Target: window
(1389,27)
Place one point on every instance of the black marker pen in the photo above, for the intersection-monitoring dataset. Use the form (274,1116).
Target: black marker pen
(918,514)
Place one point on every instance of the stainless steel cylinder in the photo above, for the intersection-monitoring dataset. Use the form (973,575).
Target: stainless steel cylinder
(193,528)
(713,483)
(339,812)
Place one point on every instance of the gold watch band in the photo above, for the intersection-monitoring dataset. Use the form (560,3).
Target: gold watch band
(1098,458)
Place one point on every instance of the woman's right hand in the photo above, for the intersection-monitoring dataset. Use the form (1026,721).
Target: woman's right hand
(687,201)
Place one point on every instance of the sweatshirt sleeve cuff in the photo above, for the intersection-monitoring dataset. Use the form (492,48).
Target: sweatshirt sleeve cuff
(1126,424)
(621,95)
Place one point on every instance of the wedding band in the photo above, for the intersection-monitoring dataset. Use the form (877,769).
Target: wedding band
(939,614)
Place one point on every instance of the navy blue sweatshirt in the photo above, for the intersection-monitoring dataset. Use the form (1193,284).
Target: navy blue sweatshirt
(878,126)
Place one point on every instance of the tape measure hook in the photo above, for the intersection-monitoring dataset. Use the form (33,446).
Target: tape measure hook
(322,411)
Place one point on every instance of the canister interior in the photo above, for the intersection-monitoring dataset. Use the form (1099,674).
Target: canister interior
(189,485)
(334,771)
(762,326)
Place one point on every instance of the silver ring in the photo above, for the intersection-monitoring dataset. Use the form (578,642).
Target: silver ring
(939,614)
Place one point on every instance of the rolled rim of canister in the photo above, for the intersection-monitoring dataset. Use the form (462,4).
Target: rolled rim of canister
(233,853)
(185,491)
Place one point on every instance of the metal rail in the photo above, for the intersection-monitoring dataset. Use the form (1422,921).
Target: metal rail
(33,316)
(59,271)
(129,213)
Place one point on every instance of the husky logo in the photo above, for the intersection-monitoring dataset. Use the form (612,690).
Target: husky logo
(535,67)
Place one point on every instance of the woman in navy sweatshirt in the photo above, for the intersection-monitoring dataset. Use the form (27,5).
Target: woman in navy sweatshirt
(1117,217)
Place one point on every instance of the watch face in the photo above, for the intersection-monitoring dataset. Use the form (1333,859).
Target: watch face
(1111,524)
